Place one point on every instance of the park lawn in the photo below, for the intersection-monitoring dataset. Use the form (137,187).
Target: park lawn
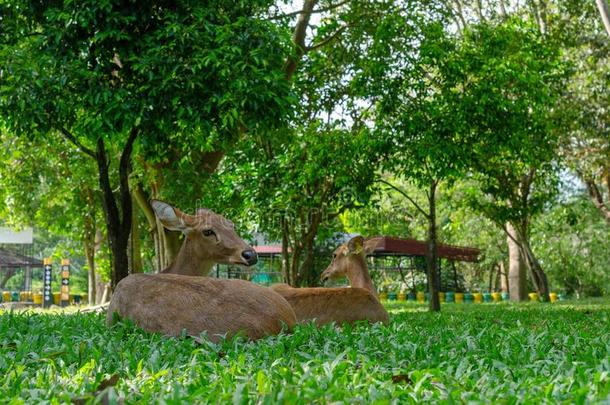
(525,353)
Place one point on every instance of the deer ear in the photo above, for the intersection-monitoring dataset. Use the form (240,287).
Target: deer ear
(355,245)
(170,217)
(370,245)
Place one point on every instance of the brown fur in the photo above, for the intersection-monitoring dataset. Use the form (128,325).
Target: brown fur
(187,302)
(340,305)
(171,303)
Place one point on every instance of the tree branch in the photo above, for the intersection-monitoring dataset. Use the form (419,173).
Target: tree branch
(320,10)
(404,194)
(76,142)
(298,37)
(327,40)
(597,199)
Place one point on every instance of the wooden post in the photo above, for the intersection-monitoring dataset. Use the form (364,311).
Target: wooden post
(65,282)
(47,297)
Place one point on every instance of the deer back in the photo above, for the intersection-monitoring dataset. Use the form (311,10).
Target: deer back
(339,305)
(173,304)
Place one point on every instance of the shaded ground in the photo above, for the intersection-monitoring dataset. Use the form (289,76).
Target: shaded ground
(486,352)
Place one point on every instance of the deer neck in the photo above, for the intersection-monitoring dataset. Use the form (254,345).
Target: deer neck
(190,261)
(358,275)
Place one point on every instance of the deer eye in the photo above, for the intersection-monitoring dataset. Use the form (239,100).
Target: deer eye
(208,232)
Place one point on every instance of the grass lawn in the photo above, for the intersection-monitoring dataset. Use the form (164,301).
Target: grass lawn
(526,353)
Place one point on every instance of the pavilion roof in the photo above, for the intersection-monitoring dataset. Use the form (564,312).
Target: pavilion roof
(10,259)
(391,246)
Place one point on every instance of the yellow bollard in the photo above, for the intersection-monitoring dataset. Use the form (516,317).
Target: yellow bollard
(533,296)
(25,296)
(553,297)
(478,298)
(421,297)
(459,298)
(37,298)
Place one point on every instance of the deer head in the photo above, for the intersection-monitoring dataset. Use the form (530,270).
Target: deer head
(208,238)
(349,260)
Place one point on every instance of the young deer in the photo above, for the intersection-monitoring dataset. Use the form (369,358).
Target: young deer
(340,305)
(179,299)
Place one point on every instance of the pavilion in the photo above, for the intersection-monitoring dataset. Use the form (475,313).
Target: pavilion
(391,247)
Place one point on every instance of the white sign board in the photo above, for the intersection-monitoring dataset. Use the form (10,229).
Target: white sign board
(7,235)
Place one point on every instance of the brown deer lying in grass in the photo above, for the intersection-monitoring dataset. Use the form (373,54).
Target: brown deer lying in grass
(179,299)
(340,305)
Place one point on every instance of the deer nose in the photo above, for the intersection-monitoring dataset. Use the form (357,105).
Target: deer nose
(249,256)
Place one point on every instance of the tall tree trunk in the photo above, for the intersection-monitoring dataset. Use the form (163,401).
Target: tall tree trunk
(494,269)
(135,253)
(166,243)
(306,276)
(90,255)
(597,196)
(503,278)
(517,286)
(294,264)
(285,256)
(118,222)
(604,11)
(89,243)
(538,274)
(432,254)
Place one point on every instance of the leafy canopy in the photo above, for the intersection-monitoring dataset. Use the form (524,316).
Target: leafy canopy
(181,71)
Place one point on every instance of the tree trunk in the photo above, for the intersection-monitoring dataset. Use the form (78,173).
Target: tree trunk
(306,272)
(493,270)
(89,243)
(298,37)
(294,265)
(135,253)
(100,289)
(597,196)
(604,11)
(517,287)
(285,256)
(538,274)
(503,278)
(432,254)
(166,243)
(118,222)
(305,275)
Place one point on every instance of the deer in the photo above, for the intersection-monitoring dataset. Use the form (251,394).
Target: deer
(340,305)
(181,300)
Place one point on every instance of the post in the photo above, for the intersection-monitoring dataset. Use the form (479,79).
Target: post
(46,290)
(65,282)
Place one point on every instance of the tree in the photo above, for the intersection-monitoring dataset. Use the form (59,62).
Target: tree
(181,173)
(429,142)
(105,75)
(44,185)
(516,161)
